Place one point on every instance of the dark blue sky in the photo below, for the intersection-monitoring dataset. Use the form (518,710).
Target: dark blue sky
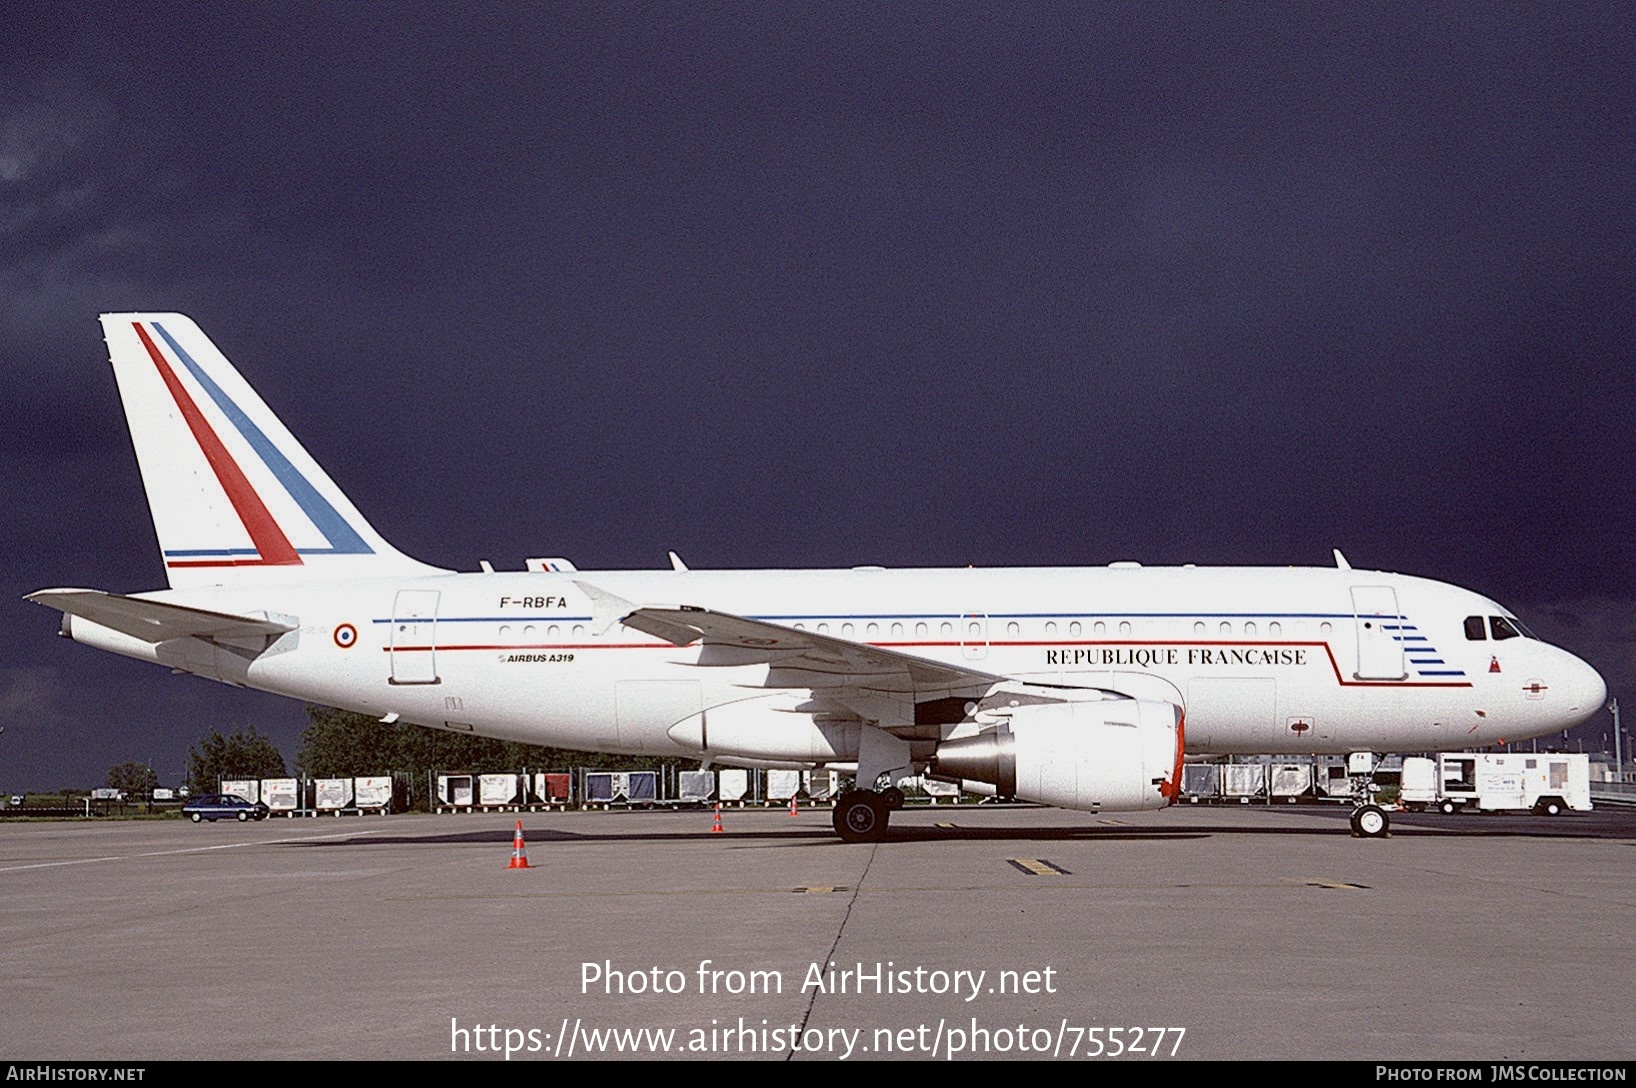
(838,284)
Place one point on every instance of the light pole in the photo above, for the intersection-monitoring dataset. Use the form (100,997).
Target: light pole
(1618,756)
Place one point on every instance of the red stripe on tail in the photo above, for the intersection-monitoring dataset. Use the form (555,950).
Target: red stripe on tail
(269,539)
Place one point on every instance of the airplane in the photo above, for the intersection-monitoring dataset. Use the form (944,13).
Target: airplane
(1082,688)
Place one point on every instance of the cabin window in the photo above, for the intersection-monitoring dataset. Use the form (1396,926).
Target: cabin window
(1074,628)
(1275,628)
(823,628)
(1124,627)
(846,629)
(1474,629)
(874,629)
(1226,628)
(1012,629)
(921,630)
(1051,627)
(553,631)
(579,630)
(1198,628)
(1249,628)
(897,629)
(528,631)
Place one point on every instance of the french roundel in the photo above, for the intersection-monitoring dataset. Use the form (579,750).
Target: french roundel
(346,635)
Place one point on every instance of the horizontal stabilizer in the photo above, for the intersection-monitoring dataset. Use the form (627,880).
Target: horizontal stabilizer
(156,621)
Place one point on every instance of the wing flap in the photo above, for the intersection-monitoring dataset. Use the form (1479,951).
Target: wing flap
(157,621)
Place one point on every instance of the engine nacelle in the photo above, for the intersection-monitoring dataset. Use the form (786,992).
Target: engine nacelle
(1120,754)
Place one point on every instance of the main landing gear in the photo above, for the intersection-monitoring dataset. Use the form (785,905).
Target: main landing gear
(862,815)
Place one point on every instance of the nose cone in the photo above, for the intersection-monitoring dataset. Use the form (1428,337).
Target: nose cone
(1586,690)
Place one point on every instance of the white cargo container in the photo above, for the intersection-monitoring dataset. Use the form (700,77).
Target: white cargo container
(696,785)
(782,785)
(373,792)
(281,795)
(1201,781)
(1242,781)
(823,785)
(734,784)
(332,794)
(456,790)
(247,788)
(1546,783)
(497,789)
(1290,781)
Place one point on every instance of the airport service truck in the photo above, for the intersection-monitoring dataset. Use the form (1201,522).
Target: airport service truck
(1546,783)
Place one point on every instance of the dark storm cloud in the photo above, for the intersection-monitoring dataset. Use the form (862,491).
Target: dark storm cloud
(927,284)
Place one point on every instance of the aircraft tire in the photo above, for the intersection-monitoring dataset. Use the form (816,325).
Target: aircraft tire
(893,797)
(860,816)
(1370,822)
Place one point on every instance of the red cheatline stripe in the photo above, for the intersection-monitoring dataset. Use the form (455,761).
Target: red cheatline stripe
(269,539)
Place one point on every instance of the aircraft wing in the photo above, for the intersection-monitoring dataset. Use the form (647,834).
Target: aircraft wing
(157,621)
(801,658)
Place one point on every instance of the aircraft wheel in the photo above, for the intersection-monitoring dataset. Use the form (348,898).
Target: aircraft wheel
(860,816)
(195,817)
(1370,822)
(1448,808)
(893,797)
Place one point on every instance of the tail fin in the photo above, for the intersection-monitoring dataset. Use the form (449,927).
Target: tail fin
(235,499)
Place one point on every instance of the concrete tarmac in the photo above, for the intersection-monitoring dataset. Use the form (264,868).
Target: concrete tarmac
(1222,933)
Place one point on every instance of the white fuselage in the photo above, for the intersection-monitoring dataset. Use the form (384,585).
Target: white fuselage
(1262,660)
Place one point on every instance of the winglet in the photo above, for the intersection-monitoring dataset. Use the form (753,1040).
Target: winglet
(1340,560)
(676,562)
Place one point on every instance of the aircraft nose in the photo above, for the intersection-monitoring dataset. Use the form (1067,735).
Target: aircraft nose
(1587,691)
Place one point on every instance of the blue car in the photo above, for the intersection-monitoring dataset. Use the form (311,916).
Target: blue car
(223,806)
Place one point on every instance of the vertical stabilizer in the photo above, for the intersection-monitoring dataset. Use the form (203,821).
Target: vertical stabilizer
(235,498)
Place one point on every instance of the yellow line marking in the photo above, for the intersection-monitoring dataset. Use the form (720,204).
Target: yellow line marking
(1038,867)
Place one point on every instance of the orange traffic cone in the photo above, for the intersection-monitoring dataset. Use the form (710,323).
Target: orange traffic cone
(716,828)
(793,810)
(519,854)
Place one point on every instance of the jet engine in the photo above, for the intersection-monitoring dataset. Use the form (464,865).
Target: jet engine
(1121,754)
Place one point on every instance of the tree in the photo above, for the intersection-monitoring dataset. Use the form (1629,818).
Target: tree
(135,780)
(244,754)
(341,742)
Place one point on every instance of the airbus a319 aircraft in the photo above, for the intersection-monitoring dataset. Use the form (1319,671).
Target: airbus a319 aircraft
(1076,687)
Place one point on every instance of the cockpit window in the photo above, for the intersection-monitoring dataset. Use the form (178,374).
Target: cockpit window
(1503,628)
(1474,629)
